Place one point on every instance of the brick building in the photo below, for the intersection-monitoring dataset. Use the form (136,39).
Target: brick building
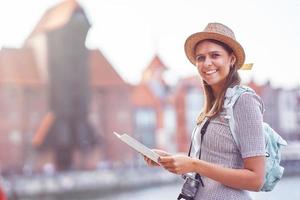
(189,100)
(22,104)
(281,109)
(62,98)
(154,111)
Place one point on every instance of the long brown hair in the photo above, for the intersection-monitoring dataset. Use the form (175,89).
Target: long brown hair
(214,105)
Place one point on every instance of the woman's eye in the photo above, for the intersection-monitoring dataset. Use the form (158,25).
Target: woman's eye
(215,55)
(200,58)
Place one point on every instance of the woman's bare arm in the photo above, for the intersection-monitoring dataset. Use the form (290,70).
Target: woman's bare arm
(251,177)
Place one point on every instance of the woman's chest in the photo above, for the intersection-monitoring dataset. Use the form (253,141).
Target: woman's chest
(217,139)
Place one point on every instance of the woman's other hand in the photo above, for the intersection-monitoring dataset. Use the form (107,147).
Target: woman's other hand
(177,164)
(150,162)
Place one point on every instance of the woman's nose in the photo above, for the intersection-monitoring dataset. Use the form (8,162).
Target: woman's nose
(207,62)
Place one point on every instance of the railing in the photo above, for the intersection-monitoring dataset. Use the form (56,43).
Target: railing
(79,183)
(291,151)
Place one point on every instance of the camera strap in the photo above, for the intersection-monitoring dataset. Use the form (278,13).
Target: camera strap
(202,132)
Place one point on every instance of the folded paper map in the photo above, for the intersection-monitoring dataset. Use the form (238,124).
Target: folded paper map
(139,147)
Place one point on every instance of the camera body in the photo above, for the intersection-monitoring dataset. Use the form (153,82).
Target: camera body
(189,188)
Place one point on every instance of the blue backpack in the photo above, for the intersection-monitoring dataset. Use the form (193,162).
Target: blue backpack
(273,170)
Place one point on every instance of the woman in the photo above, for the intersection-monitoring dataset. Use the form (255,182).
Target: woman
(227,170)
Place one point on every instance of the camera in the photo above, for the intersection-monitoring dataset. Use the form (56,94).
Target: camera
(190,187)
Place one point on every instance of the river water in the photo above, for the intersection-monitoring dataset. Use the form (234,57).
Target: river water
(287,188)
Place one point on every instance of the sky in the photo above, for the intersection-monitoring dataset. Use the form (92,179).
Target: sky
(130,32)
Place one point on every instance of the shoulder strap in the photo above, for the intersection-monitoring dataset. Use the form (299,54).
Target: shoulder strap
(203,126)
(191,143)
(231,96)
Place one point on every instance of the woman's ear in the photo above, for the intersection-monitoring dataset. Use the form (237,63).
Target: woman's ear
(233,60)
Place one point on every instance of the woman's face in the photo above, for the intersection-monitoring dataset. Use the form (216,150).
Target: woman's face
(213,63)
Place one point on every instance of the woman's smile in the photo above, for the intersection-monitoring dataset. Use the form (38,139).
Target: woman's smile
(210,72)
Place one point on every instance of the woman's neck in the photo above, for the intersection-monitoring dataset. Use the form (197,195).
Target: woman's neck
(216,91)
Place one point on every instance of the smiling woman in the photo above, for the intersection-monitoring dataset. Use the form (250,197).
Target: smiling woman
(218,167)
(214,62)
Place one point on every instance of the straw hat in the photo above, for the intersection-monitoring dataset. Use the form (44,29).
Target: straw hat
(215,31)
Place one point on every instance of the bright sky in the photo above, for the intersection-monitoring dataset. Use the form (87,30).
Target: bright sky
(130,32)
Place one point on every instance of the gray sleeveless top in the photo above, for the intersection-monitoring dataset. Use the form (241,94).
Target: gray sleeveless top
(219,147)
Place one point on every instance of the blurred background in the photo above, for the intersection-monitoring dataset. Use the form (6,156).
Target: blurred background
(72,72)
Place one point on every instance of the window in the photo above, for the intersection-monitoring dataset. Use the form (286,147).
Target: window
(145,126)
(193,103)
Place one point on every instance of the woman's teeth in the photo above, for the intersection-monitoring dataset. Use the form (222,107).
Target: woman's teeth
(210,72)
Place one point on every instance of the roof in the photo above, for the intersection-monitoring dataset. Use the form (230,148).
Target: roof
(56,17)
(157,63)
(257,88)
(154,70)
(188,82)
(102,73)
(18,66)
(193,80)
(143,97)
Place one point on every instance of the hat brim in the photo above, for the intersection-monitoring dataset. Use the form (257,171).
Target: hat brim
(194,39)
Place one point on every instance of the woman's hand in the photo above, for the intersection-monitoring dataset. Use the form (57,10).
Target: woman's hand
(177,164)
(150,162)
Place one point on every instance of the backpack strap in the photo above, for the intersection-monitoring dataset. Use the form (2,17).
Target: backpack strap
(231,96)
